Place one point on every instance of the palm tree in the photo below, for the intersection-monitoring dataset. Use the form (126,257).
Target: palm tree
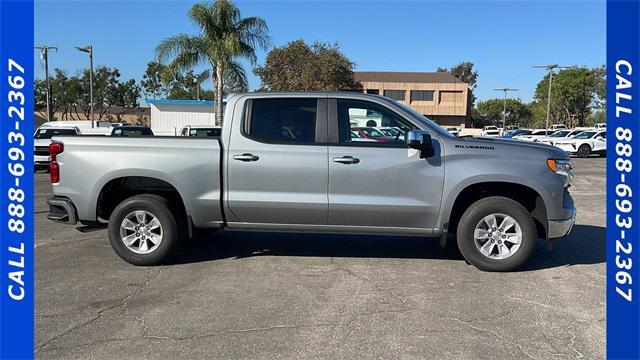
(225,38)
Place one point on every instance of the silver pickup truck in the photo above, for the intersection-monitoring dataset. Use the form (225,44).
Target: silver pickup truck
(302,162)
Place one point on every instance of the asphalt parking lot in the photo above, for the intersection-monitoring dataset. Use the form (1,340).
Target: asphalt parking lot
(245,295)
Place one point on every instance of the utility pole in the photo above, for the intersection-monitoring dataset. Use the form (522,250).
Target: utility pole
(504,112)
(44,55)
(550,68)
(89,49)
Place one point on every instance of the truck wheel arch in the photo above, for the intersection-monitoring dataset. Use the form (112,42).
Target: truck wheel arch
(523,194)
(116,190)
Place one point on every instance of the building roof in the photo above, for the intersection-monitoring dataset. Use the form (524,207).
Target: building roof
(181,102)
(406,77)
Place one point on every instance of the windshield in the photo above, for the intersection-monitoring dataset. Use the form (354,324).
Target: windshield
(585,135)
(205,132)
(540,132)
(561,133)
(49,133)
(521,132)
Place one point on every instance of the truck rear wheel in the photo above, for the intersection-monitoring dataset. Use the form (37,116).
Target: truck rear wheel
(143,231)
(496,234)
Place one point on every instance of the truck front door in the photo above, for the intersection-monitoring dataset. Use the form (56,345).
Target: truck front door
(378,181)
(277,162)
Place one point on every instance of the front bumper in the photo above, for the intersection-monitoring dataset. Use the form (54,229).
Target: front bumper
(62,210)
(561,228)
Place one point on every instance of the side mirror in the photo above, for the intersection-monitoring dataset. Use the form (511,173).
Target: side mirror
(421,140)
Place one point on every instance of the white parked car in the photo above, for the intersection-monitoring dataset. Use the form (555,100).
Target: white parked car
(600,126)
(42,138)
(558,135)
(452,130)
(586,143)
(491,131)
(557,127)
(539,133)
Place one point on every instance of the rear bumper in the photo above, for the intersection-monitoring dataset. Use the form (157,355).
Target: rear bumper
(561,228)
(62,210)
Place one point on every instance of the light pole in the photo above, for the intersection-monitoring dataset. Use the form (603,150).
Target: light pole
(197,84)
(504,112)
(89,49)
(550,68)
(44,55)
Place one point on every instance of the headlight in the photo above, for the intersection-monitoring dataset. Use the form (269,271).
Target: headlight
(562,167)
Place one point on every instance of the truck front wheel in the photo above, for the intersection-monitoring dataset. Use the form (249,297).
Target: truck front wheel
(143,231)
(496,234)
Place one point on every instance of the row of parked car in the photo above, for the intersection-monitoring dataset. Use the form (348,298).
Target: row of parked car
(43,134)
(580,142)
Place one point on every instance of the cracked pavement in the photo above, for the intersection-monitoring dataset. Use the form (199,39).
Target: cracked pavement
(249,295)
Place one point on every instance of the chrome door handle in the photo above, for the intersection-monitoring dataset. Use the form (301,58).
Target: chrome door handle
(246,157)
(346,160)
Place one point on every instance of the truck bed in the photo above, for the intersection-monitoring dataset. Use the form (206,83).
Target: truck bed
(190,165)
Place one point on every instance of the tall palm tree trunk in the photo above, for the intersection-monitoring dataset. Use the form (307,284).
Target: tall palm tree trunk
(218,84)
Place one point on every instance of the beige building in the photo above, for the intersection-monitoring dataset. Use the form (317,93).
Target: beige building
(438,95)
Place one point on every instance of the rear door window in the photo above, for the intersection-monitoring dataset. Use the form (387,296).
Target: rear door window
(283,120)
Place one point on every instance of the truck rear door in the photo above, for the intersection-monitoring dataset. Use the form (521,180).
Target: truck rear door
(277,169)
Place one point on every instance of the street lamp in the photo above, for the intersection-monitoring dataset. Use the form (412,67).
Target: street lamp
(550,68)
(504,112)
(89,49)
(197,84)
(44,55)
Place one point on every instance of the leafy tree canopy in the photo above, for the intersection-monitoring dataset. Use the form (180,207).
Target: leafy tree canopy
(464,72)
(224,38)
(518,113)
(298,66)
(575,94)
(70,95)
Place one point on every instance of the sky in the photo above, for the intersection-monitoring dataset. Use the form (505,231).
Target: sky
(504,39)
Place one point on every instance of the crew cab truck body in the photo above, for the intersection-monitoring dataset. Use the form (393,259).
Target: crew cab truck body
(286,161)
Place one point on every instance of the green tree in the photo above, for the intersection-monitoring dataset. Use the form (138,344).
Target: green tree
(70,94)
(153,84)
(517,112)
(224,38)
(575,93)
(298,66)
(465,73)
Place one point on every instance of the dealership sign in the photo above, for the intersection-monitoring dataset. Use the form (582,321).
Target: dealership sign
(16,179)
(623,180)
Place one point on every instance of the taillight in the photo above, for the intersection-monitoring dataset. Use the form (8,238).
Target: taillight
(54,168)
(55,149)
(54,171)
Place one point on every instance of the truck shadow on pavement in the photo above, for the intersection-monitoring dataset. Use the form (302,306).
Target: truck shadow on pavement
(586,245)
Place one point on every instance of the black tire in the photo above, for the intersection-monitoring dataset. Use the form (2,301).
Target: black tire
(584,151)
(492,205)
(159,207)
